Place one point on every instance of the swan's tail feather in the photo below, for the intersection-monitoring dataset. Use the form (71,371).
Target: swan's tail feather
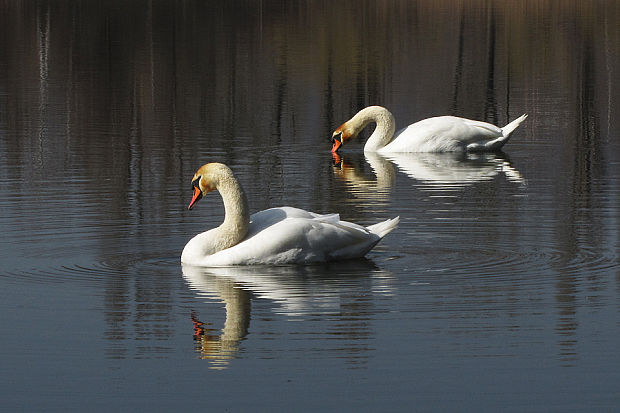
(508,129)
(496,144)
(384,228)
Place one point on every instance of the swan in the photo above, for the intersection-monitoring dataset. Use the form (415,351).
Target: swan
(274,236)
(438,134)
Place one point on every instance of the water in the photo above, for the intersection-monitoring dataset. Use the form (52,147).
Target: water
(499,290)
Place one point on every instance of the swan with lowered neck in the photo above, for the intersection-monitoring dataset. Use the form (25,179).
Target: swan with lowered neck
(282,235)
(438,134)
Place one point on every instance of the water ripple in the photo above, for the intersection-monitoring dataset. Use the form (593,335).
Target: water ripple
(95,273)
(510,260)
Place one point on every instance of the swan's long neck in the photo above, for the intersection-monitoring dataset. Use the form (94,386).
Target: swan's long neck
(237,215)
(383,133)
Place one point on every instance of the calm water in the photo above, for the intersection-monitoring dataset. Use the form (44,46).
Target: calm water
(500,290)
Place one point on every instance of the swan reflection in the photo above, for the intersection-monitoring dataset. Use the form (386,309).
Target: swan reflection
(220,346)
(431,170)
(295,290)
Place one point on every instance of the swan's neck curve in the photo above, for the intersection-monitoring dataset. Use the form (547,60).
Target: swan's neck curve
(383,133)
(237,215)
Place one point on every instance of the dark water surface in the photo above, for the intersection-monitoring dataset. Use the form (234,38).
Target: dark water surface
(500,290)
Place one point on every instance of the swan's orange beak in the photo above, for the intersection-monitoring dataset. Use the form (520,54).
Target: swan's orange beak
(195,198)
(336,145)
(337,140)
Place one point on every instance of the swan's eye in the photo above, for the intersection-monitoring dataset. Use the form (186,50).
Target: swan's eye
(196,182)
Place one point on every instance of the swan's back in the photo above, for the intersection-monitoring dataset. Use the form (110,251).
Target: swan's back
(263,219)
(441,134)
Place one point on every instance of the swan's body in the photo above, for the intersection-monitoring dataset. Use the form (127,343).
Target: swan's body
(282,235)
(438,134)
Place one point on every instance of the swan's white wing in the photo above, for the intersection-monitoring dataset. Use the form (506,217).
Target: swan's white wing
(297,240)
(442,133)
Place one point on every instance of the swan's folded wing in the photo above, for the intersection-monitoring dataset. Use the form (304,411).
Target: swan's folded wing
(264,219)
(340,240)
(442,134)
(299,240)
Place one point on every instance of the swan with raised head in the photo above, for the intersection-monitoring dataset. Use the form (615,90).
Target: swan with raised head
(282,235)
(438,134)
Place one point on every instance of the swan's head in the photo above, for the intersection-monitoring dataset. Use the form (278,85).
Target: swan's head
(206,179)
(343,134)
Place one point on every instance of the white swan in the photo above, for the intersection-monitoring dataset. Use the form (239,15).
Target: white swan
(438,134)
(282,235)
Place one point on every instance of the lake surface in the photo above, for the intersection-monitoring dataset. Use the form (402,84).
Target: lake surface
(500,289)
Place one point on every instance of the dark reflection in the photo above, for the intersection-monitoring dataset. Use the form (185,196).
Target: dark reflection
(467,34)
(580,232)
(137,308)
(334,290)
(490,107)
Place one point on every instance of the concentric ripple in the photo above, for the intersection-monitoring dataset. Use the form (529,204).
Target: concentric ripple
(447,253)
(94,273)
